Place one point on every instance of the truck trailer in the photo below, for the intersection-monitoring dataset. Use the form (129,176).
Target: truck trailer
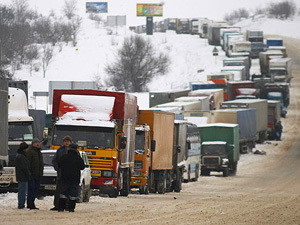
(245,118)
(102,123)
(261,106)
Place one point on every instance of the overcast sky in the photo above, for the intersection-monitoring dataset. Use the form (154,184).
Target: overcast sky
(212,9)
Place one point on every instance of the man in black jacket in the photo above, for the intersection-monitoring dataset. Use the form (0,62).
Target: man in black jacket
(67,140)
(36,167)
(70,165)
(22,174)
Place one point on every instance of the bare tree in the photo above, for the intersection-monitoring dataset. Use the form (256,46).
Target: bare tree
(282,10)
(75,27)
(137,63)
(31,53)
(69,8)
(47,55)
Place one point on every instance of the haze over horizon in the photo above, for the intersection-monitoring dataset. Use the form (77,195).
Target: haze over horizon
(214,9)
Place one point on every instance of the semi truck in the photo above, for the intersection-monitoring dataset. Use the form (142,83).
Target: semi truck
(156,98)
(219,148)
(280,69)
(102,123)
(256,48)
(213,33)
(236,89)
(255,36)
(281,92)
(273,118)
(241,61)
(20,123)
(203,27)
(238,71)
(274,42)
(164,172)
(264,60)
(183,26)
(261,106)
(216,96)
(245,118)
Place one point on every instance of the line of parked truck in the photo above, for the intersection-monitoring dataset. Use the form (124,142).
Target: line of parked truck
(183,133)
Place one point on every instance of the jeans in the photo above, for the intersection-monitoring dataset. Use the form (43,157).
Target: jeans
(22,191)
(33,189)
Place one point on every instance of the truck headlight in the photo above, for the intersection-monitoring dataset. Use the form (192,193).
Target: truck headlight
(106,173)
(225,161)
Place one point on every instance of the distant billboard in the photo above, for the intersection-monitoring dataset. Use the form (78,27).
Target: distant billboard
(96,7)
(149,10)
(113,21)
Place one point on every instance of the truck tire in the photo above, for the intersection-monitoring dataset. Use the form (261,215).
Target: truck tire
(114,193)
(126,183)
(205,172)
(196,174)
(81,193)
(178,182)
(234,168)
(225,172)
(144,190)
(87,195)
(161,183)
(169,186)
(151,182)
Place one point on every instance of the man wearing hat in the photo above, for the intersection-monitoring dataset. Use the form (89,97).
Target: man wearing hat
(67,140)
(36,168)
(70,165)
(22,174)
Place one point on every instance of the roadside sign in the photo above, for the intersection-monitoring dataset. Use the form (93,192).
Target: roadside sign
(215,51)
(96,7)
(149,10)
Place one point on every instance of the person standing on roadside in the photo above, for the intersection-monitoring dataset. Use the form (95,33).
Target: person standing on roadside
(278,130)
(67,140)
(22,174)
(70,165)
(36,167)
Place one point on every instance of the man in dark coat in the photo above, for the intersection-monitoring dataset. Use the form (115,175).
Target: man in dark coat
(59,153)
(22,174)
(70,165)
(278,130)
(36,167)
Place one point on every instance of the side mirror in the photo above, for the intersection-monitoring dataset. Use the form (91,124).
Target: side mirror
(178,149)
(45,133)
(87,166)
(153,145)
(188,144)
(123,142)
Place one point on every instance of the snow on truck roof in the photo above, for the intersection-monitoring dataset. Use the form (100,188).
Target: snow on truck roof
(246,101)
(214,143)
(280,60)
(86,107)
(190,99)
(219,125)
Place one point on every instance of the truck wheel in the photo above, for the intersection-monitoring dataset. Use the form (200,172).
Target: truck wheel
(169,186)
(196,174)
(87,195)
(81,193)
(113,193)
(161,183)
(178,183)
(144,190)
(234,167)
(205,172)
(126,184)
(225,172)
(151,182)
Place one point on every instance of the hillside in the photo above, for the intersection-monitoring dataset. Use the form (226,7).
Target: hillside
(96,48)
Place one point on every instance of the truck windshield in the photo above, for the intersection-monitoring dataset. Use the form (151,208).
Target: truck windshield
(140,142)
(20,131)
(213,150)
(278,72)
(101,137)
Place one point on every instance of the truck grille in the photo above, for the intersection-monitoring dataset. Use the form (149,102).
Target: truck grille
(138,165)
(211,161)
(48,180)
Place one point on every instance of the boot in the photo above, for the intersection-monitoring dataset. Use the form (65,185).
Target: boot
(72,205)
(62,204)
